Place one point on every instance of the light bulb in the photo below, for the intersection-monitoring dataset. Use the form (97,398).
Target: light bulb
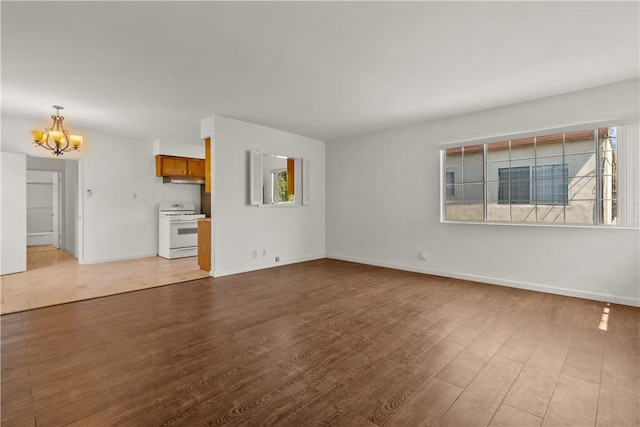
(37,135)
(76,141)
(56,135)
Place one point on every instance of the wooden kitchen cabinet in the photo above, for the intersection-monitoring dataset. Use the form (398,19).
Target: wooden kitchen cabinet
(179,166)
(171,166)
(204,244)
(195,168)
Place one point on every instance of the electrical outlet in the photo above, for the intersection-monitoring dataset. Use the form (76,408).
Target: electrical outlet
(423,255)
(277,259)
(255,253)
(264,252)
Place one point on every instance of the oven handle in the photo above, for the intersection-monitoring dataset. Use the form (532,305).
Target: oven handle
(188,248)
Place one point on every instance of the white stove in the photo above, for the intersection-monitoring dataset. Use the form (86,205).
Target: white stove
(178,230)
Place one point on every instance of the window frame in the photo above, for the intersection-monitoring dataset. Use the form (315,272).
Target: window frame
(599,222)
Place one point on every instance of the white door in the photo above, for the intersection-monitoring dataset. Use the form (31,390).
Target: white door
(13,178)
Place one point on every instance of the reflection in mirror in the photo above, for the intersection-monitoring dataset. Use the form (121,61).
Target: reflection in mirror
(276,180)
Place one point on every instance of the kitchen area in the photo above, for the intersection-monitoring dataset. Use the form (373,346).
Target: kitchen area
(183,229)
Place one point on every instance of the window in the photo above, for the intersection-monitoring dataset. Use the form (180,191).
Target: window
(563,178)
(544,185)
(552,185)
(514,185)
(279,186)
(451,178)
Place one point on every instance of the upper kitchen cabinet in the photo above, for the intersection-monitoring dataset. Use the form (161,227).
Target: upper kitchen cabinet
(173,166)
(195,168)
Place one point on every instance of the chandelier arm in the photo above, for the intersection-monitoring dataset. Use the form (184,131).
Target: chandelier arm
(47,137)
(49,145)
(67,139)
(58,124)
(55,125)
(46,132)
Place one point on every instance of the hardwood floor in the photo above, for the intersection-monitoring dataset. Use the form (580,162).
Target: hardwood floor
(323,343)
(53,277)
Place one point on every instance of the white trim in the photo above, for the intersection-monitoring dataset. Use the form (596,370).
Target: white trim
(616,299)
(246,269)
(123,258)
(280,205)
(80,223)
(255,178)
(538,133)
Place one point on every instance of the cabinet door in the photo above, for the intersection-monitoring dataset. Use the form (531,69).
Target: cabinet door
(195,168)
(172,166)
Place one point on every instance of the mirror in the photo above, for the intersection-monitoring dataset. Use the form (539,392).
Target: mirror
(276,180)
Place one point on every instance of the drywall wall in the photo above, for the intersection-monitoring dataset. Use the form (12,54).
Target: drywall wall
(13,218)
(293,233)
(181,149)
(383,205)
(120,218)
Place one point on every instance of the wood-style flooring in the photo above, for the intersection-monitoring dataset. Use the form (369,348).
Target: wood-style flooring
(53,277)
(323,343)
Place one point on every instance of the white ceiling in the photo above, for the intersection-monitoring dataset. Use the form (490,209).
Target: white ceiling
(320,69)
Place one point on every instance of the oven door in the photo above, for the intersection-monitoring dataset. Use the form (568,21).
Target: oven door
(183,234)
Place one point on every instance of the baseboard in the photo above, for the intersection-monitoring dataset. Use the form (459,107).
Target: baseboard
(122,258)
(40,239)
(246,269)
(616,299)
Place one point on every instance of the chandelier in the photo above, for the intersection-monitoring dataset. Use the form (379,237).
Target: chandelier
(56,138)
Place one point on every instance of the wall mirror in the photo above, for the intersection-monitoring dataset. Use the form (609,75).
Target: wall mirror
(277,180)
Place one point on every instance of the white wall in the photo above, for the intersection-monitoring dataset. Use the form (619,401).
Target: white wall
(13,218)
(114,224)
(294,233)
(383,206)
(181,149)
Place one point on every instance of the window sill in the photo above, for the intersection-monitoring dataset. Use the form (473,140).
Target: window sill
(539,224)
(279,205)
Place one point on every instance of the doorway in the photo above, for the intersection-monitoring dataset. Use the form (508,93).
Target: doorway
(43,208)
(52,210)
